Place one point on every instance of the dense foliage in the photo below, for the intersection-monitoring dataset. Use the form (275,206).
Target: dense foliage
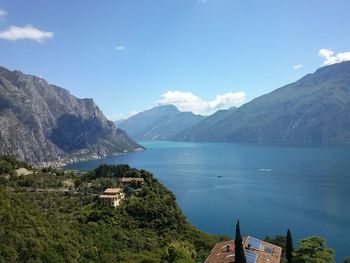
(8,164)
(55,216)
(313,250)
(310,250)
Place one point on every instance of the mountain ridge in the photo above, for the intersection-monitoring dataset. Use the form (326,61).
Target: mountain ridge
(43,122)
(159,123)
(313,109)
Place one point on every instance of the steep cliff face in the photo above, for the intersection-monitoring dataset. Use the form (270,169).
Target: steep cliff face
(41,122)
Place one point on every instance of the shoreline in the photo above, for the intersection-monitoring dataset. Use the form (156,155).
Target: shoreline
(61,162)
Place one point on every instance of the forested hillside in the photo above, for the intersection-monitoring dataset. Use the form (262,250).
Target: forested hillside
(55,216)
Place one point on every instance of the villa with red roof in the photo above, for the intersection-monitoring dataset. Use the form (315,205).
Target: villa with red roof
(255,250)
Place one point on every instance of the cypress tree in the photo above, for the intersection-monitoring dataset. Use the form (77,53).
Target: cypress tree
(239,251)
(289,247)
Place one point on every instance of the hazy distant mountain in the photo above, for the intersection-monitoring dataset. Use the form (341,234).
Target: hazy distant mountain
(40,122)
(159,123)
(315,109)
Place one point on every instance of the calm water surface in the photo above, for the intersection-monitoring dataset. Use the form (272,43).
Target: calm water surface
(269,189)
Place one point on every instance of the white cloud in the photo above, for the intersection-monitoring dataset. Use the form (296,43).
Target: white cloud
(298,66)
(29,32)
(202,1)
(332,58)
(186,101)
(120,48)
(2,13)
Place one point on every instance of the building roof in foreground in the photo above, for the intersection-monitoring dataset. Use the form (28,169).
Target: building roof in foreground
(222,252)
(256,251)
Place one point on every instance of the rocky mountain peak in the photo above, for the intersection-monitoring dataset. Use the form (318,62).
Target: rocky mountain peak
(41,122)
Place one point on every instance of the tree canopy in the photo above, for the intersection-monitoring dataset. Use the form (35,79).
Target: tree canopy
(313,250)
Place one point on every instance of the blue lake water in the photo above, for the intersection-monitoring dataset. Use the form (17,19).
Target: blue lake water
(269,189)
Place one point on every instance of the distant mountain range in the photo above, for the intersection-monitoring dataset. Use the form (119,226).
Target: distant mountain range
(42,122)
(159,123)
(314,109)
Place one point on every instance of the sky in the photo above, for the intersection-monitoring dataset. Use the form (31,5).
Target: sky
(200,55)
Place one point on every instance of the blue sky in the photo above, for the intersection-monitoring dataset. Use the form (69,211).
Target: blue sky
(200,55)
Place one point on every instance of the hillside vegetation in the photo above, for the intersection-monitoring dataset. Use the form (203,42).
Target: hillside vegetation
(44,218)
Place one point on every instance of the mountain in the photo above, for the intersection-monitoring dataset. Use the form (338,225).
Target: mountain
(42,122)
(314,109)
(159,123)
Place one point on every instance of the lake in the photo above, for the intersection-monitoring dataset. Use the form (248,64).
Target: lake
(269,189)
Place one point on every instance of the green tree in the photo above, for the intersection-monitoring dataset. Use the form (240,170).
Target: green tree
(313,250)
(346,260)
(289,247)
(5,167)
(239,251)
(181,252)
